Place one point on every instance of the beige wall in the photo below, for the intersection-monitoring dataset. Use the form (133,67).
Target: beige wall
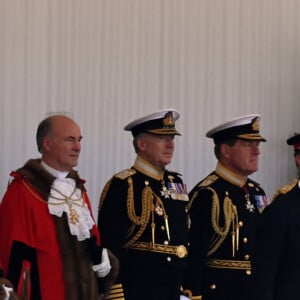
(106,62)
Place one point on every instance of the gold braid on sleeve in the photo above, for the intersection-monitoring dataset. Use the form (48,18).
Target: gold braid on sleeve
(142,221)
(230,220)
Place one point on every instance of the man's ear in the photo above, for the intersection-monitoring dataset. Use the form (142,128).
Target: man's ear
(141,143)
(47,143)
(225,150)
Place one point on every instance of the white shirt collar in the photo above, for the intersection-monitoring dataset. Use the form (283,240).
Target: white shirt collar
(54,172)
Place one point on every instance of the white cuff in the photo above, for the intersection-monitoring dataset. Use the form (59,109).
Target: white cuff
(103,268)
(182,297)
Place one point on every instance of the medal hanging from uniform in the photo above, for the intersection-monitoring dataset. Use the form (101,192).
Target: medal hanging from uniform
(159,209)
(177,191)
(249,205)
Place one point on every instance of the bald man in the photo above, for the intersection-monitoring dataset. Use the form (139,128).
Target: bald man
(50,244)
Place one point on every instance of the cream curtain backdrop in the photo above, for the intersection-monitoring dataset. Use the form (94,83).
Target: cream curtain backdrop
(106,62)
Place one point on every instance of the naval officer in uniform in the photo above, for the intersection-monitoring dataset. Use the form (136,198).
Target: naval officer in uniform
(142,216)
(224,209)
(278,243)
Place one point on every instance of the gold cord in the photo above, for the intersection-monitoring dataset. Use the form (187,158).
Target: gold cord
(149,199)
(143,220)
(230,219)
(67,199)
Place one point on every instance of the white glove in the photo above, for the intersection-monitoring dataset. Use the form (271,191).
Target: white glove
(182,297)
(7,291)
(103,268)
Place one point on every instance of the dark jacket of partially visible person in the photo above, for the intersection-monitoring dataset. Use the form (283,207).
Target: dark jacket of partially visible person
(278,247)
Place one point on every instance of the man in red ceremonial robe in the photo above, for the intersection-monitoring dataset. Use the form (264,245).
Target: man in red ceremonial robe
(50,244)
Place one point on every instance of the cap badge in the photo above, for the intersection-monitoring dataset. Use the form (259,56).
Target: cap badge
(168,119)
(255,125)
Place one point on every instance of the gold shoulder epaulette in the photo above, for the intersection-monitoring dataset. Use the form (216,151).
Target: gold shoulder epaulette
(286,188)
(125,174)
(203,184)
(208,180)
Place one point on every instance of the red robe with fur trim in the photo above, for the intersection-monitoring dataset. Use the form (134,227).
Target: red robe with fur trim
(38,253)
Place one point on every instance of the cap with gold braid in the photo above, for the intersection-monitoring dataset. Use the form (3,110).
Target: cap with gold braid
(161,122)
(295,141)
(244,127)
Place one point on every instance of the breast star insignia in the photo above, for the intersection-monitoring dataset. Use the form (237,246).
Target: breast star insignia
(249,206)
(165,192)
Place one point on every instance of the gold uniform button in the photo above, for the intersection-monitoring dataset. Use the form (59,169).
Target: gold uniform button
(241,223)
(169,258)
(166,243)
(248,272)
(213,286)
(181,251)
(245,240)
(247,256)
(162,227)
